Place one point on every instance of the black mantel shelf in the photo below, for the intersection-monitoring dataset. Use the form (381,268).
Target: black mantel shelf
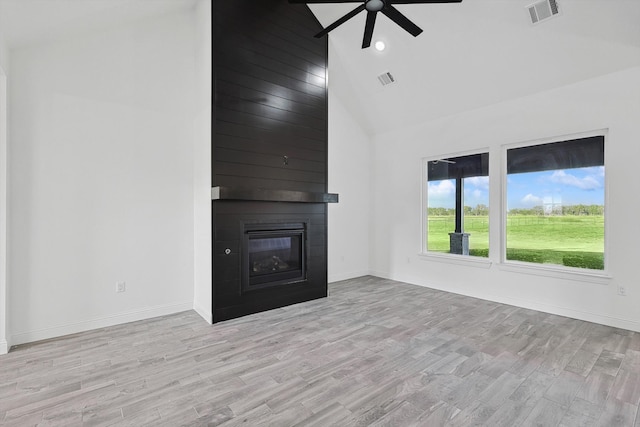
(264,195)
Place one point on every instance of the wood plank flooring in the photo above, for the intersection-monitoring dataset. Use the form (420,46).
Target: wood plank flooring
(374,353)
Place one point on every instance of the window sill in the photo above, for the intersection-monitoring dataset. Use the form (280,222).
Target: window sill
(471,261)
(592,276)
(547,270)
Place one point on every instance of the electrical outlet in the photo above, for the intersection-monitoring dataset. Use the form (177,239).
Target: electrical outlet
(121,287)
(622,291)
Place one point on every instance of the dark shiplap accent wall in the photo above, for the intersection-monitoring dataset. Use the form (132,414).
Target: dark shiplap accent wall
(270,96)
(270,101)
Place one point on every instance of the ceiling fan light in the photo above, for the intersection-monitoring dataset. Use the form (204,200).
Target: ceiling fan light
(380,46)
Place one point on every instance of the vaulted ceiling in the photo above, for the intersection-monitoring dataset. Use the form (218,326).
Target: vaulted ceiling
(473,54)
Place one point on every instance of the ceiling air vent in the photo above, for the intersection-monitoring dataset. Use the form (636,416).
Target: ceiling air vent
(542,10)
(386,78)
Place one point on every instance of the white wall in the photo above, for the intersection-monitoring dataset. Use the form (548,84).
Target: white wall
(202,165)
(4,327)
(349,174)
(101,178)
(611,101)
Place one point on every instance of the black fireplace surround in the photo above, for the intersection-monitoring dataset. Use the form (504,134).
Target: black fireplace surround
(269,157)
(267,255)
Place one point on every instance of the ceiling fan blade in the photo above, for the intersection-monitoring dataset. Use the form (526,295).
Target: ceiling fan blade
(341,21)
(326,1)
(368,29)
(423,1)
(397,17)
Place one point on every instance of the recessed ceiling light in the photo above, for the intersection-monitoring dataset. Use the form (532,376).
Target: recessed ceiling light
(380,46)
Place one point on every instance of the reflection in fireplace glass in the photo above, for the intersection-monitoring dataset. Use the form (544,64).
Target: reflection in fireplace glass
(268,255)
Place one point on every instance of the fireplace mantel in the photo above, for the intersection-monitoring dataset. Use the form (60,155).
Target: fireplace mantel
(265,195)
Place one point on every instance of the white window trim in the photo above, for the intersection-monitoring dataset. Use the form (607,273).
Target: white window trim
(470,261)
(552,270)
(557,271)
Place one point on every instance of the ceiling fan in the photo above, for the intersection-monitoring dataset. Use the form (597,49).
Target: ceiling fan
(373,7)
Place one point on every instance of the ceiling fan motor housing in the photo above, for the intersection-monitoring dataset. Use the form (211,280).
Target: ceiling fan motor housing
(374,5)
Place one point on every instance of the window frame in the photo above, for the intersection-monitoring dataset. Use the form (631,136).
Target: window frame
(482,262)
(553,270)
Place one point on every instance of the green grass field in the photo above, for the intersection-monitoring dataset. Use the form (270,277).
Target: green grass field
(575,241)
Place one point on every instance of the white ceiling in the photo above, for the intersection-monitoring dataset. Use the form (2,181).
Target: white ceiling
(23,22)
(473,54)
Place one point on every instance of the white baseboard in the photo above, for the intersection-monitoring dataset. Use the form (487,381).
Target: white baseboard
(4,347)
(587,316)
(602,319)
(100,322)
(346,276)
(205,314)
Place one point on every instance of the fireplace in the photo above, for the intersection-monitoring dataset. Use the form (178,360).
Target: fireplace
(274,255)
(269,157)
(270,249)
(268,254)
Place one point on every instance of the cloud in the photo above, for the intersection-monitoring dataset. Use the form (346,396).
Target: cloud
(481,182)
(531,200)
(441,188)
(595,171)
(589,182)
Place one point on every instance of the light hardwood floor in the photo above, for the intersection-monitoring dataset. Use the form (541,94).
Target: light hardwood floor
(375,352)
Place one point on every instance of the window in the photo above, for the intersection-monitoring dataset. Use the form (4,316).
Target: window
(457,217)
(555,198)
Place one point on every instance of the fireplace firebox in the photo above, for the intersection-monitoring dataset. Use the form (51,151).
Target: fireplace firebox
(274,255)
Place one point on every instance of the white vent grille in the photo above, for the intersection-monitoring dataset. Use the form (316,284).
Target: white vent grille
(386,78)
(542,10)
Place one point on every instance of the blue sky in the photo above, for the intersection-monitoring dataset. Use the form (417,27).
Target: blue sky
(526,190)
(442,194)
(565,187)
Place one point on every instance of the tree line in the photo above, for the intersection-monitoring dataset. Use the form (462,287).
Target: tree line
(483,210)
(578,210)
(479,210)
